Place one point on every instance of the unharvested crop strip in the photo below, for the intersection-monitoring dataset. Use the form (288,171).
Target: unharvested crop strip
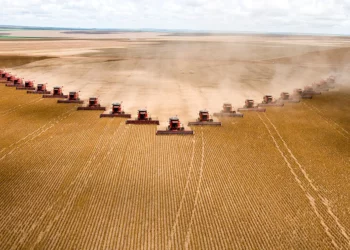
(35,133)
(326,120)
(325,201)
(308,196)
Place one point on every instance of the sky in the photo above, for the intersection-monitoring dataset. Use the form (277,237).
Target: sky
(296,16)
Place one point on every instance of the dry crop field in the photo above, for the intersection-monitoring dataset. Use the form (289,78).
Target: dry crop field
(274,180)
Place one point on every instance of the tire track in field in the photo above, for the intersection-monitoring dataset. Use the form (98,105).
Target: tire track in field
(344,132)
(298,180)
(183,197)
(36,133)
(189,230)
(324,200)
(324,116)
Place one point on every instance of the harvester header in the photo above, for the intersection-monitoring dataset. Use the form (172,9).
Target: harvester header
(299,93)
(94,104)
(72,98)
(249,105)
(40,89)
(309,90)
(227,111)
(56,93)
(174,128)
(28,85)
(116,111)
(14,82)
(143,118)
(269,101)
(204,119)
(286,97)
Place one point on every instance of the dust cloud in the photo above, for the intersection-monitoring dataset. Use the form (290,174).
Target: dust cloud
(182,77)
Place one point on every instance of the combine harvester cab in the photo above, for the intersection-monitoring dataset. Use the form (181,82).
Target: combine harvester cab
(174,128)
(227,111)
(249,105)
(268,101)
(72,98)
(143,118)
(285,97)
(56,93)
(116,112)
(204,119)
(94,104)
(28,85)
(40,89)
(309,90)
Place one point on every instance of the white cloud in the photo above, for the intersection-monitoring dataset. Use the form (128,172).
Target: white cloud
(311,16)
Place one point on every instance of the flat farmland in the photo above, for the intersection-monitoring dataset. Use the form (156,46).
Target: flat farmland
(274,180)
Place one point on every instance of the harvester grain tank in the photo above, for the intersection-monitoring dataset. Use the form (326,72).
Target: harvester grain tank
(40,89)
(268,101)
(227,111)
(56,93)
(286,97)
(204,119)
(299,93)
(117,111)
(249,105)
(28,85)
(94,104)
(73,97)
(174,128)
(143,118)
(309,90)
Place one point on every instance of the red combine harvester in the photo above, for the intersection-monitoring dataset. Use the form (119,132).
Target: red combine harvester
(72,98)
(320,86)
(309,90)
(14,82)
(249,105)
(204,119)
(331,82)
(116,111)
(269,101)
(4,77)
(143,118)
(57,93)
(299,93)
(227,110)
(28,85)
(285,97)
(94,104)
(40,89)
(174,128)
